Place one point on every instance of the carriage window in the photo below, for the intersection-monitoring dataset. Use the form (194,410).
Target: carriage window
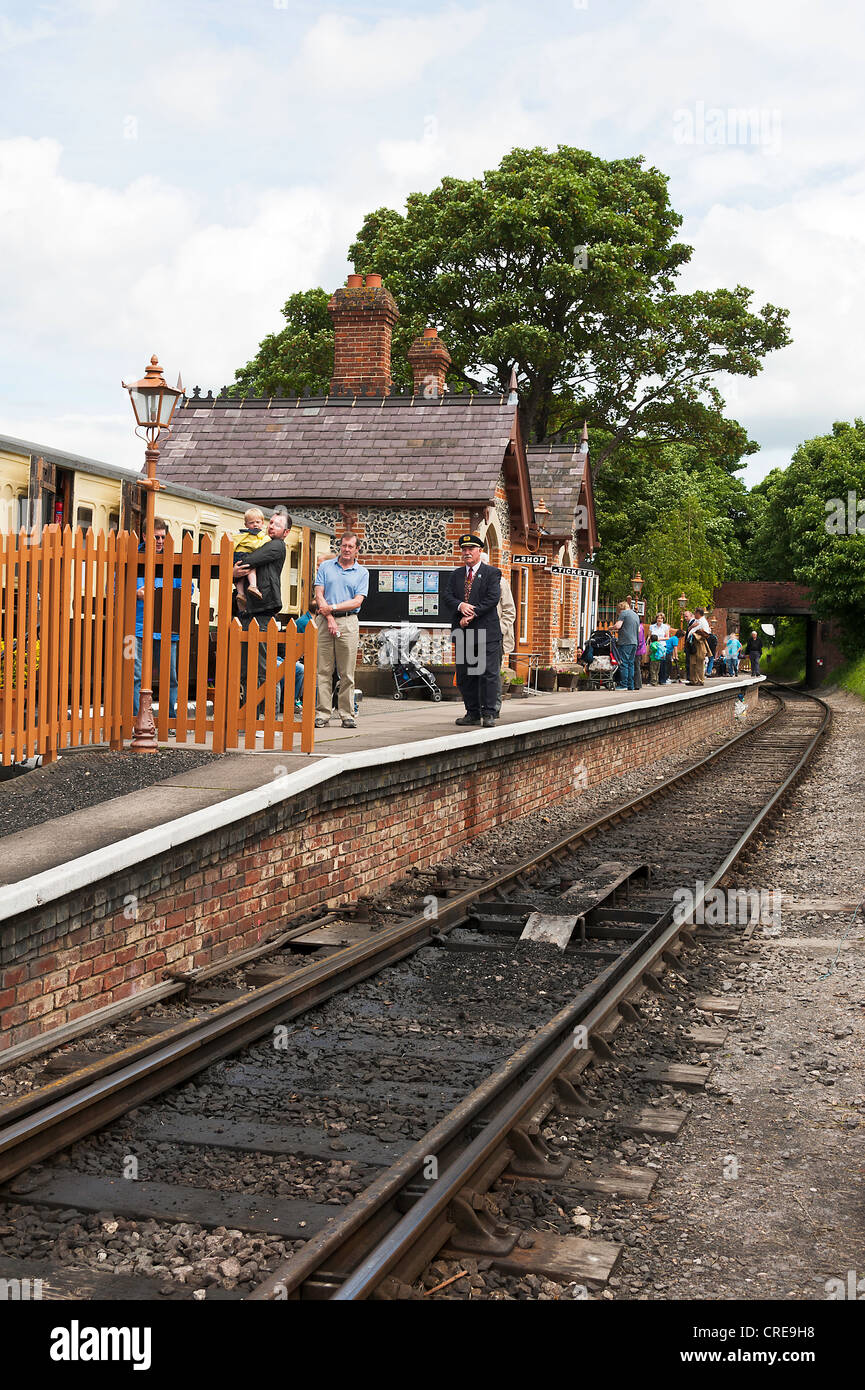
(26,512)
(187,531)
(114,521)
(84,518)
(294,577)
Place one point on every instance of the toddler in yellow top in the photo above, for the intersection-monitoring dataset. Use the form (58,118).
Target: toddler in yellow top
(245,542)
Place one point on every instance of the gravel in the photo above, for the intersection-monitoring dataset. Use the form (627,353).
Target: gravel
(760,1197)
(77,781)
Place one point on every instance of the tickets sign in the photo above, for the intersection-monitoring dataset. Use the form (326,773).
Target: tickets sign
(565,569)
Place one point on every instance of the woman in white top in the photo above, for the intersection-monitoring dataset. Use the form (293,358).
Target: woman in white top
(661,631)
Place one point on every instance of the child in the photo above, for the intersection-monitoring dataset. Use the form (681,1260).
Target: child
(657,655)
(732,649)
(244,543)
(673,657)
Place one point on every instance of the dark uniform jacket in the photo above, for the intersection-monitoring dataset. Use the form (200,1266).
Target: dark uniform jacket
(267,561)
(484,598)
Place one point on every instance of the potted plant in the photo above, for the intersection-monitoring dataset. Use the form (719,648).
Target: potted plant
(567,677)
(516,687)
(547,678)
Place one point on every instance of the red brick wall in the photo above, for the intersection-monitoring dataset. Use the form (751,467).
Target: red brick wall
(201,902)
(765,597)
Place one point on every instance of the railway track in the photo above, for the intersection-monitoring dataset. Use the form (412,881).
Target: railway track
(425,1108)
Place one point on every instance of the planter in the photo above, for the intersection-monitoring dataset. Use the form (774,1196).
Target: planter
(519,692)
(547,678)
(567,680)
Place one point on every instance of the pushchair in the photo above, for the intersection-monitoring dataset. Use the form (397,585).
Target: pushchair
(396,647)
(601,660)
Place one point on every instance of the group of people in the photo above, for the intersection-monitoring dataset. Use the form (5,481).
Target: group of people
(477,600)
(661,647)
(259,557)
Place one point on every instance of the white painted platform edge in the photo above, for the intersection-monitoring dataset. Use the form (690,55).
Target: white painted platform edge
(87,869)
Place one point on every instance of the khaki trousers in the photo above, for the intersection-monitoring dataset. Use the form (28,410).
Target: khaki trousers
(338,653)
(697,662)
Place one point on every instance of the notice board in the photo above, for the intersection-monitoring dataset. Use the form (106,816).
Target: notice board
(405,594)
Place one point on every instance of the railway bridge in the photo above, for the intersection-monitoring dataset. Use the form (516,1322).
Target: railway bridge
(765,598)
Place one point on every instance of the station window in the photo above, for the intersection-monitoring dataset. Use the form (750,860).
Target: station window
(524,604)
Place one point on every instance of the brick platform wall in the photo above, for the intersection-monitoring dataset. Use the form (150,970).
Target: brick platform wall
(202,901)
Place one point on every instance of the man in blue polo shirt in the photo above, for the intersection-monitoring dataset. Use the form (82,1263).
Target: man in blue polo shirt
(341,585)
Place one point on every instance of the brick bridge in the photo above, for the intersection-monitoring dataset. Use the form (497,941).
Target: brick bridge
(767,599)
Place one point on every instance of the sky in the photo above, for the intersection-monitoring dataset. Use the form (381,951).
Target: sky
(170,173)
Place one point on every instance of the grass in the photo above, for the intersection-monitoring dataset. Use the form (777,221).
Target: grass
(850,677)
(786,660)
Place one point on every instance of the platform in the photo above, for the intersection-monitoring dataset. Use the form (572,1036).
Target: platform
(390,728)
(105,904)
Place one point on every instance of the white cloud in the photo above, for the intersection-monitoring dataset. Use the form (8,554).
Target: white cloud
(125,272)
(14,35)
(341,58)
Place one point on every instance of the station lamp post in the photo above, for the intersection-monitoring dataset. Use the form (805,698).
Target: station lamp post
(153,404)
(637,584)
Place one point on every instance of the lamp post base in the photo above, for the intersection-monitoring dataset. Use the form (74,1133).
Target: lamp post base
(144,729)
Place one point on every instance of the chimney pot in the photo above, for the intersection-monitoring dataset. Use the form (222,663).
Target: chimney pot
(373,282)
(430,332)
(354,282)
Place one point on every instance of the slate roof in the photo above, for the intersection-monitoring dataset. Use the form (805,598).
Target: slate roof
(557,474)
(327,449)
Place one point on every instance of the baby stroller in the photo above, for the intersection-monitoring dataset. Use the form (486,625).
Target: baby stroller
(395,649)
(601,660)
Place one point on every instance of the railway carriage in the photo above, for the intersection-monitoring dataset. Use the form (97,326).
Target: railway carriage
(43,486)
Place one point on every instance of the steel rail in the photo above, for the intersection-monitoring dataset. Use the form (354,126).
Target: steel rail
(591,1008)
(50,1118)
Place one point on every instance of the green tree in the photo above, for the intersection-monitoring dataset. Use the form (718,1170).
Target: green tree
(298,358)
(809,527)
(563,266)
(672,513)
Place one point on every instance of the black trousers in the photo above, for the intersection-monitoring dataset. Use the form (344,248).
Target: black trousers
(263,620)
(481,692)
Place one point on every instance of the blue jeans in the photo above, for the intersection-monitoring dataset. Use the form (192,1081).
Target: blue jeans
(298,681)
(626,669)
(172,681)
(733,665)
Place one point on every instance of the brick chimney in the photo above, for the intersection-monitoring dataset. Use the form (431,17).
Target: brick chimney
(363,319)
(429,360)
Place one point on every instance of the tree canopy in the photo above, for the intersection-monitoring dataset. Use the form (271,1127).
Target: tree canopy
(561,265)
(808,527)
(672,513)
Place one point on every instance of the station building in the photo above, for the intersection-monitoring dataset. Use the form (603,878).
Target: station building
(409,472)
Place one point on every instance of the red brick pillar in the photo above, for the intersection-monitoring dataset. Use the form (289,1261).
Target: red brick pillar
(429,360)
(363,319)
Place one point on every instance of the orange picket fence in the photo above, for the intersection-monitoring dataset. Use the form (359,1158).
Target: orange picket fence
(69,651)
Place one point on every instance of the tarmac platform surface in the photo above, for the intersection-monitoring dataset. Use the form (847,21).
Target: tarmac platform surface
(383,724)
